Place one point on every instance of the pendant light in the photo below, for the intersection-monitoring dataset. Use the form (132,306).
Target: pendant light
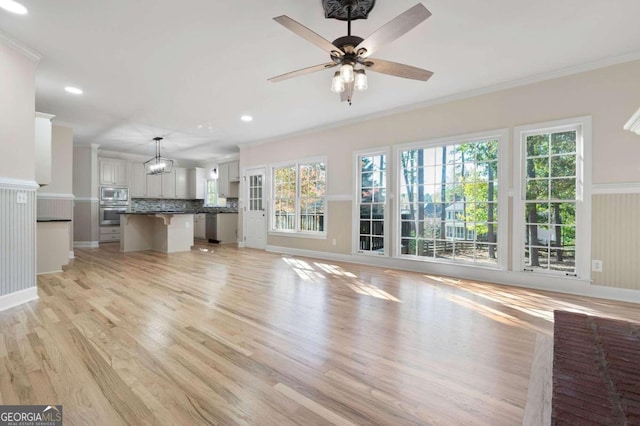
(158,164)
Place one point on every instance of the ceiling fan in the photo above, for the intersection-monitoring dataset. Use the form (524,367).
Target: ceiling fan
(353,53)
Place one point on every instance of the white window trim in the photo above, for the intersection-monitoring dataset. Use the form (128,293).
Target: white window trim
(583,193)
(355,224)
(502,135)
(295,233)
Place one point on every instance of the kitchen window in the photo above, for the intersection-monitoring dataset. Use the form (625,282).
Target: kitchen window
(212,199)
(299,192)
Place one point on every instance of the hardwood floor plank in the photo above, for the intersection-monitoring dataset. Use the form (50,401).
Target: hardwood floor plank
(313,406)
(538,409)
(239,336)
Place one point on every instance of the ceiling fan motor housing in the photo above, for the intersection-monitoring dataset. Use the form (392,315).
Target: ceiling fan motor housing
(339,9)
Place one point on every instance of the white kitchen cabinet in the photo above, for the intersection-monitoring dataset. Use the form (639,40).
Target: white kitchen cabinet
(234,171)
(43,147)
(113,172)
(182,186)
(200,226)
(109,233)
(223,180)
(227,228)
(197,182)
(138,185)
(154,186)
(169,184)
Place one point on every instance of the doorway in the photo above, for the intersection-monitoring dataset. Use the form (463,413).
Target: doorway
(255,215)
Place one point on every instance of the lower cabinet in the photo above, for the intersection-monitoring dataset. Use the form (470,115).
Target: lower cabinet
(109,233)
(200,226)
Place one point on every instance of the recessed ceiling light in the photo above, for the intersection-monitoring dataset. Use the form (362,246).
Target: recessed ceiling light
(13,7)
(73,90)
(246,118)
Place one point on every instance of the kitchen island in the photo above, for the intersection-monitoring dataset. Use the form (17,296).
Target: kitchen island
(167,232)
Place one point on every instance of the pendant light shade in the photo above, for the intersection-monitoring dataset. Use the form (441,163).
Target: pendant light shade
(158,164)
(360,80)
(337,85)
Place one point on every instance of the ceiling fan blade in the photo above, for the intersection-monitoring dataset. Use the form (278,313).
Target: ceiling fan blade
(303,71)
(393,29)
(396,69)
(308,35)
(347,95)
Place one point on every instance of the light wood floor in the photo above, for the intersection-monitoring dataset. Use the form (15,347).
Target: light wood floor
(223,335)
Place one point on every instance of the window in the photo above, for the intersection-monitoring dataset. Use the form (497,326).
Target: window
(371,201)
(449,201)
(552,204)
(299,198)
(212,199)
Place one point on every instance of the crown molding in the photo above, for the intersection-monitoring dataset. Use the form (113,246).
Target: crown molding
(633,124)
(511,84)
(16,45)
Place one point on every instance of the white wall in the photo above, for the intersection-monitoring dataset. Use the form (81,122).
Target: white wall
(17,174)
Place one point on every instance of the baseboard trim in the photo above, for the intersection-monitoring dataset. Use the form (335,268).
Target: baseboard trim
(241,244)
(18,298)
(512,278)
(72,255)
(86,244)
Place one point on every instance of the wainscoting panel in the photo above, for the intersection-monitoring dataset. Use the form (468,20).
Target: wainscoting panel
(616,240)
(55,207)
(17,239)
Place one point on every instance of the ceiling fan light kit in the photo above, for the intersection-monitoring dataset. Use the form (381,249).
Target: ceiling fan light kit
(352,53)
(158,164)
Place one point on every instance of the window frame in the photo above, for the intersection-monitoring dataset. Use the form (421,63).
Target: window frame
(357,179)
(502,240)
(206,200)
(271,202)
(583,127)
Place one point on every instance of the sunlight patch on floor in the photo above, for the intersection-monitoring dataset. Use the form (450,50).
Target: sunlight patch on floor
(369,290)
(307,272)
(486,311)
(522,300)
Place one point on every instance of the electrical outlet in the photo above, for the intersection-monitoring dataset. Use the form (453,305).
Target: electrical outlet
(21,197)
(334,242)
(596,265)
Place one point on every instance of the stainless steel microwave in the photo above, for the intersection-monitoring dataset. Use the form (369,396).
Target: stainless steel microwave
(114,196)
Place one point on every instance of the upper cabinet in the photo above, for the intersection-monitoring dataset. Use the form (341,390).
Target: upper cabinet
(113,172)
(196,183)
(43,148)
(138,182)
(223,179)
(182,186)
(234,171)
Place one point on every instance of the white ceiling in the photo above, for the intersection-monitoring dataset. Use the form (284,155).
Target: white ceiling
(188,70)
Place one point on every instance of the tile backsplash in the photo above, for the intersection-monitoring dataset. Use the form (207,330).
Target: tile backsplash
(196,206)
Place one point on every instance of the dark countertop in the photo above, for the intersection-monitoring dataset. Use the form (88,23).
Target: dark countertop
(52,219)
(152,213)
(174,212)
